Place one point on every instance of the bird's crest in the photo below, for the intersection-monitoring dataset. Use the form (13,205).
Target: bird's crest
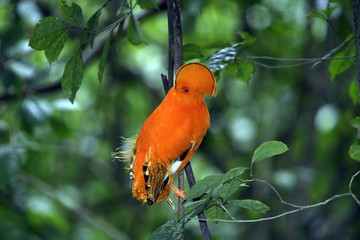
(196,76)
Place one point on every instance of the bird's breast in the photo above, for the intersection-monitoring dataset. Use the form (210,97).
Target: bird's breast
(172,127)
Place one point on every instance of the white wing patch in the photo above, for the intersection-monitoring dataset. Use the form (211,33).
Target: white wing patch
(175,166)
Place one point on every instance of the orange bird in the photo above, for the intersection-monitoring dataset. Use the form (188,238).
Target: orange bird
(171,135)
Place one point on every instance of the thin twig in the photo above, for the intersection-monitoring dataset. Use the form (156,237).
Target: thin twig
(300,61)
(274,189)
(225,209)
(350,185)
(282,214)
(296,59)
(298,208)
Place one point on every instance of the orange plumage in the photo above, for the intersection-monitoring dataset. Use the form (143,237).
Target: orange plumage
(171,134)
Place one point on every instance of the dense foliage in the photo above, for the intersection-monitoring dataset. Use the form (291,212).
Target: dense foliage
(75,76)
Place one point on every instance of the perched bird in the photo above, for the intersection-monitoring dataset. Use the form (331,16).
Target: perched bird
(171,135)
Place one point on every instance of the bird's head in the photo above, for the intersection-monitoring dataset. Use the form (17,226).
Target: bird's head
(195,78)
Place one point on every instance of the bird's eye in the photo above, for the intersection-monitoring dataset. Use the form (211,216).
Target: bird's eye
(186,90)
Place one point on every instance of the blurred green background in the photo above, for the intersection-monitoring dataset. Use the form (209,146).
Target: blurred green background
(57,177)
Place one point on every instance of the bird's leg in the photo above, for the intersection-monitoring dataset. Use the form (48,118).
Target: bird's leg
(178,192)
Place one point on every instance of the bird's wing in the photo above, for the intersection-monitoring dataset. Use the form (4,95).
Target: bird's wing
(167,141)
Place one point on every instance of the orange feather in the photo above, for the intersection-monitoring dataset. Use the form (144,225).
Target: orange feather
(171,134)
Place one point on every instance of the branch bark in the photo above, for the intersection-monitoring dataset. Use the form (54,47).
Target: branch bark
(356,7)
(175,62)
(202,220)
(178,61)
(175,52)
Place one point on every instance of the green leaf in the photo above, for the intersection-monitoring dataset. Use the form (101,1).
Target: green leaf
(53,51)
(104,55)
(117,38)
(191,206)
(215,211)
(338,66)
(232,173)
(253,205)
(242,71)
(72,13)
(330,9)
(355,122)
(354,150)
(323,14)
(147,4)
(269,149)
(354,92)
(172,229)
(87,37)
(46,32)
(204,185)
(133,31)
(229,188)
(88,34)
(317,14)
(247,39)
(73,73)
(124,5)
(93,21)
(191,51)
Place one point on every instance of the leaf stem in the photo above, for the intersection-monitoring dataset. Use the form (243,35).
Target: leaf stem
(300,61)
(350,186)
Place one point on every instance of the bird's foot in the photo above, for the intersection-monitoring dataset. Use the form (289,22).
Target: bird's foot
(178,192)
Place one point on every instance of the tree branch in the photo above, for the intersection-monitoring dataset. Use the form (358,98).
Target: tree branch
(176,61)
(170,80)
(356,7)
(177,36)
(202,220)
